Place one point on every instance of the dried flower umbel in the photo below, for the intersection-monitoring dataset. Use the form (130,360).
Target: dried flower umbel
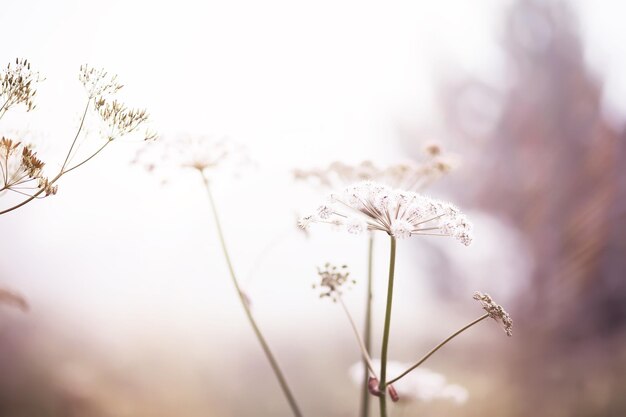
(22,170)
(495,311)
(18,86)
(399,213)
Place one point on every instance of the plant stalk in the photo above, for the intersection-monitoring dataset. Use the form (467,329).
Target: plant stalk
(439,346)
(244,302)
(383,355)
(367,330)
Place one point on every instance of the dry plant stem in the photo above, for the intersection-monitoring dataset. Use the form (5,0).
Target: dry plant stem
(367,330)
(439,346)
(268,353)
(364,352)
(383,355)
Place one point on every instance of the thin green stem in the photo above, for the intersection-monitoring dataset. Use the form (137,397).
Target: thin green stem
(439,346)
(80,128)
(367,330)
(244,302)
(383,354)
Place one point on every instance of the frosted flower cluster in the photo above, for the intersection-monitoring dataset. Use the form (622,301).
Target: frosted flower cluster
(401,214)
(421,384)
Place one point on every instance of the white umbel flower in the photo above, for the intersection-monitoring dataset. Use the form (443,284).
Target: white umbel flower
(401,214)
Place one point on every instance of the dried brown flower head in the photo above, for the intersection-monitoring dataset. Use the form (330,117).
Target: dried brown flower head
(332,279)
(21,169)
(17,85)
(495,311)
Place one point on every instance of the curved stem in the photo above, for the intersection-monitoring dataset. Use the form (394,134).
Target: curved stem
(383,355)
(367,330)
(244,302)
(439,346)
(369,367)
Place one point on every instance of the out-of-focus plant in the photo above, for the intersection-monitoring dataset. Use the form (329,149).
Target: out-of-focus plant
(22,171)
(370,206)
(205,155)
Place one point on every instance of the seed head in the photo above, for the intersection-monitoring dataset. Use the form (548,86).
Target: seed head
(495,311)
(332,279)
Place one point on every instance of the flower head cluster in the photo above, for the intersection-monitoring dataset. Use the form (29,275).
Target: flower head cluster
(495,311)
(20,167)
(421,384)
(98,82)
(332,279)
(409,176)
(199,152)
(17,85)
(401,214)
(119,119)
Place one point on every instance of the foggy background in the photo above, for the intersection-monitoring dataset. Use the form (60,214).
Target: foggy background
(132,312)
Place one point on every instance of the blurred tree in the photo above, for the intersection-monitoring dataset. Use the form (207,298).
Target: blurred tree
(543,156)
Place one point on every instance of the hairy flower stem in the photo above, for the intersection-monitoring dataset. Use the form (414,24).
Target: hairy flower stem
(244,302)
(383,353)
(367,330)
(439,346)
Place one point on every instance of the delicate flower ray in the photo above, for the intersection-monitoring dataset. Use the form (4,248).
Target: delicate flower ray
(409,176)
(332,280)
(421,385)
(495,311)
(401,214)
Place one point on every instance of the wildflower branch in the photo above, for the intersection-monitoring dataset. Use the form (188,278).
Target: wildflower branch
(245,304)
(383,357)
(367,331)
(17,86)
(439,346)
